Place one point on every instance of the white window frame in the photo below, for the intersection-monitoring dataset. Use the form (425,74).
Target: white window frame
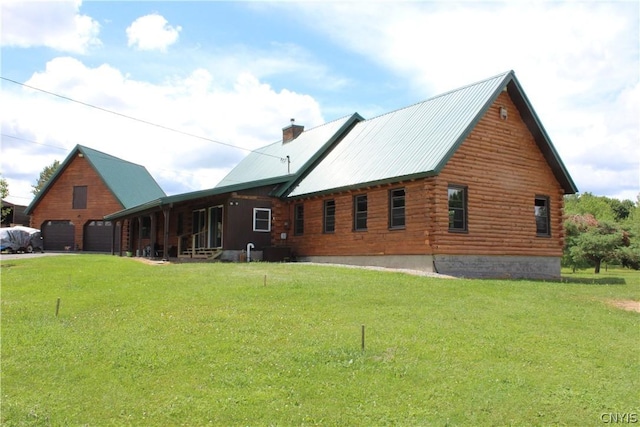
(255,218)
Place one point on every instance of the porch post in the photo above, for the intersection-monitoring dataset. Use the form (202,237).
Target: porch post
(153,235)
(139,250)
(165,253)
(113,238)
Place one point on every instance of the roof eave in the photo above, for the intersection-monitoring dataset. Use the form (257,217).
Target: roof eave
(540,135)
(51,180)
(365,185)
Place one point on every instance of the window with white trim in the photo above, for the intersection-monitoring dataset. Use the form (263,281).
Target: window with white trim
(261,219)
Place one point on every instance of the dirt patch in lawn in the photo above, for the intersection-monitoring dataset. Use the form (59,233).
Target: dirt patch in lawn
(150,261)
(629,305)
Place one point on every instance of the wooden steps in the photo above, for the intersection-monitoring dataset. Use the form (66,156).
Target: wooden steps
(201,253)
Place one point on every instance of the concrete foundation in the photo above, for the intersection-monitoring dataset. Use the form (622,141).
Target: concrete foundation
(503,266)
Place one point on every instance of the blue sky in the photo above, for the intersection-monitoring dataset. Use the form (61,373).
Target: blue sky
(236,72)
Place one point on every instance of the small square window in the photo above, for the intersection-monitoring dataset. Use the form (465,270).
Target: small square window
(261,219)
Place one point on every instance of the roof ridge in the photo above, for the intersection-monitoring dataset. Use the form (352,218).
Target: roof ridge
(440,95)
(106,155)
(346,116)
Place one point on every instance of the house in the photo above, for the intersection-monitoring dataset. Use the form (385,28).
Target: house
(466,183)
(89,184)
(221,222)
(13,214)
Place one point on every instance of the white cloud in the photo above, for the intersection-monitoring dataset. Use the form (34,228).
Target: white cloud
(152,32)
(577,61)
(53,24)
(249,114)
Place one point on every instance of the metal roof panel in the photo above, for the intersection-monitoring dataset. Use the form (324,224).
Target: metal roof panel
(406,142)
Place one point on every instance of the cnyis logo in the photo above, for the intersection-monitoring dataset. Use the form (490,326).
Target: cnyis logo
(619,418)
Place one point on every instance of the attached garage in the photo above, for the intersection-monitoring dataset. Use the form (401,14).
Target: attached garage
(58,235)
(97,236)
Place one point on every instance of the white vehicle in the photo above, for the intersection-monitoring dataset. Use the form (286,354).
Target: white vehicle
(20,239)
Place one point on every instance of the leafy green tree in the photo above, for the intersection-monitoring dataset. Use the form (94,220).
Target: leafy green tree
(593,242)
(4,192)
(630,256)
(621,209)
(45,175)
(586,203)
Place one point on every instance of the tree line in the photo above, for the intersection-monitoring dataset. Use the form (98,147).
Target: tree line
(601,230)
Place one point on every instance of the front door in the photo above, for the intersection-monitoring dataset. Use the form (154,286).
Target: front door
(215,227)
(200,228)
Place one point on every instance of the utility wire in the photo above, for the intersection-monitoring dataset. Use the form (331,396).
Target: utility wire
(137,119)
(104,157)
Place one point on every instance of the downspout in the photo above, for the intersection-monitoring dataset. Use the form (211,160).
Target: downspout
(249,247)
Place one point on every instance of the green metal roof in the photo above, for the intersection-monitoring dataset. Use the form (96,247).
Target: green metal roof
(130,183)
(418,140)
(266,166)
(288,159)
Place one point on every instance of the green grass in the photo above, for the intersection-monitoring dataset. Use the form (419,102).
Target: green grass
(210,344)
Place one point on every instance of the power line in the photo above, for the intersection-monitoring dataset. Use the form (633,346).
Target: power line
(137,119)
(103,156)
(32,142)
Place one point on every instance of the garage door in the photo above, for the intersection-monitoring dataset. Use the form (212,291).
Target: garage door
(58,235)
(97,236)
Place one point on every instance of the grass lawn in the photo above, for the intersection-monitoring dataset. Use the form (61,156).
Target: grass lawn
(280,344)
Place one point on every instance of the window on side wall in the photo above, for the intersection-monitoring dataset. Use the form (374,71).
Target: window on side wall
(541,211)
(397,208)
(80,197)
(146,227)
(298,219)
(329,216)
(360,212)
(457,208)
(261,219)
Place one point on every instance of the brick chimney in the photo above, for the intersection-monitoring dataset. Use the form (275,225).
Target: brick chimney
(291,132)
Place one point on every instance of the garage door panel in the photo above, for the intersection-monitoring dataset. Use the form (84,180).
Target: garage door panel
(58,235)
(97,236)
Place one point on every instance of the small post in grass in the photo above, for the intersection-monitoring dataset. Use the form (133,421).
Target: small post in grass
(57,306)
(362,337)
(265,280)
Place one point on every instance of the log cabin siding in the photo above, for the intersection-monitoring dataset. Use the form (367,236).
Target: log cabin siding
(378,239)
(504,170)
(57,203)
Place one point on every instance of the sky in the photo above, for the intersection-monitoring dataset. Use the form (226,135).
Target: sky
(186,89)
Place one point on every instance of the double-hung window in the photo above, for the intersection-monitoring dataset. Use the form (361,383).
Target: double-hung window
(457,196)
(360,212)
(541,211)
(298,219)
(396,208)
(261,219)
(329,216)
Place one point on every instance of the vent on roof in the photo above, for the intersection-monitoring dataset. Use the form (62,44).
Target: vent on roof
(291,132)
